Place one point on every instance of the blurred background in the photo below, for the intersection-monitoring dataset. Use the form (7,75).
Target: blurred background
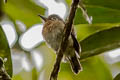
(33,60)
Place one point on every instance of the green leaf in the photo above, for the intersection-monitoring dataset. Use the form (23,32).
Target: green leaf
(34,74)
(69,2)
(85,30)
(24,10)
(5,52)
(117,77)
(93,69)
(100,42)
(23,75)
(102,11)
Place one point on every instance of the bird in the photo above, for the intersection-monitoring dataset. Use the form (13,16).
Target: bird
(52,32)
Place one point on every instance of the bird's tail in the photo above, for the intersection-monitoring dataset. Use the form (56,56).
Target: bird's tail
(75,64)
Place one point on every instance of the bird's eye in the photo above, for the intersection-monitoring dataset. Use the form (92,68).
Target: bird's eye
(53,18)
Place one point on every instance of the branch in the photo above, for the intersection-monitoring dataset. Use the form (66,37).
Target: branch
(67,31)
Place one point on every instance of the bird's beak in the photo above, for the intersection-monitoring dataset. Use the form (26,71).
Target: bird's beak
(42,17)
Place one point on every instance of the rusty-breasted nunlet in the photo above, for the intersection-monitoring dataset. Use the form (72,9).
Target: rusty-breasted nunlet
(52,33)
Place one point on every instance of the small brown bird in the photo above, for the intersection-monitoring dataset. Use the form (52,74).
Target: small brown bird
(52,33)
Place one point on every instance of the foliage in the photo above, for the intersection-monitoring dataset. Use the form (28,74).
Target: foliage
(100,42)
(5,52)
(96,38)
(117,77)
(97,71)
(26,8)
(102,11)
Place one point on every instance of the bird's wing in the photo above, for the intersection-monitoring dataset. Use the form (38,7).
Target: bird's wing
(75,43)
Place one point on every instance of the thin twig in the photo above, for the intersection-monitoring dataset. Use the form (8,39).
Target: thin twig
(5,1)
(67,31)
(3,74)
(85,13)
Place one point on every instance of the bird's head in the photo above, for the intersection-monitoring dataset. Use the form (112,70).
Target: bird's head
(52,17)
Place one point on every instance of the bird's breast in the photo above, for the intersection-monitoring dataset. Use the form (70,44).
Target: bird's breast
(52,33)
